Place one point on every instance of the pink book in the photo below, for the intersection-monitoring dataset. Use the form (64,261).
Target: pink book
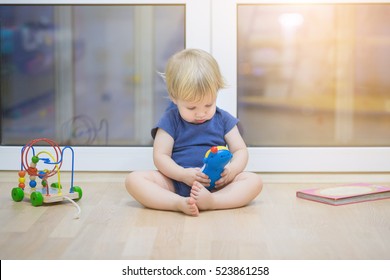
(345,194)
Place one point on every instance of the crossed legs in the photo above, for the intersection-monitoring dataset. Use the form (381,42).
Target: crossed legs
(154,190)
(240,192)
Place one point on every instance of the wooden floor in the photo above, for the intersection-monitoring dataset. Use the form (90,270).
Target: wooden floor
(276,226)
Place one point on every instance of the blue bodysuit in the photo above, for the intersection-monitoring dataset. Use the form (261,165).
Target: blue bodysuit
(191,141)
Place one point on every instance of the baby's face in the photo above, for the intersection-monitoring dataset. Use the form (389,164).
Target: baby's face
(197,112)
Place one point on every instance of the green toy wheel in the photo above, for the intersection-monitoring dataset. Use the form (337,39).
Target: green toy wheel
(56,185)
(79,191)
(36,199)
(17,194)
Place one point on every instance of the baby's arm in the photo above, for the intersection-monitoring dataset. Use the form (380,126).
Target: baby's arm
(162,156)
(239,161)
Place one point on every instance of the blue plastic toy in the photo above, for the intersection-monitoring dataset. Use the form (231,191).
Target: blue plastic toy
(215,161)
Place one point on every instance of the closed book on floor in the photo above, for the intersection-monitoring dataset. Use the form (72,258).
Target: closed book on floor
(346,194)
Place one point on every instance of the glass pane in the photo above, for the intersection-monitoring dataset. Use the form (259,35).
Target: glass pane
(27,73)
(314,75)
(83,74)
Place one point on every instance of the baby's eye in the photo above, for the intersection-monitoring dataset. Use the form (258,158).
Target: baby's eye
(209,105)
(191,108)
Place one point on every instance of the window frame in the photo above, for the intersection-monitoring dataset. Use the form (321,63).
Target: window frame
(285,159)
(216,33)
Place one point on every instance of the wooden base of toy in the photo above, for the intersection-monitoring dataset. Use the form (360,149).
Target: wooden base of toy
(39,196)
(53,195)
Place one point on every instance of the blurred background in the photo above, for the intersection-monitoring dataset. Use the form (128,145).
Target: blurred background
(85,75)
(308,75)
(314,75)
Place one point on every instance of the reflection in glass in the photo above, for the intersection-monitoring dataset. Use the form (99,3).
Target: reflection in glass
(314,75)
(83,74)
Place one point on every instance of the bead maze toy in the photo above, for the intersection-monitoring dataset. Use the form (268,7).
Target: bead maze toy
(53,161)
(215,160)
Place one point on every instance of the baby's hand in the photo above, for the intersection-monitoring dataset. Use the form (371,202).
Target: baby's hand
(195,174)
(226,177)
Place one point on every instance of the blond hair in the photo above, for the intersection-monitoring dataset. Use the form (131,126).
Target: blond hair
(192,75)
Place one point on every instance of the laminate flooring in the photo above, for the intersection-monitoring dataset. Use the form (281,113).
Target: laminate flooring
(275,226)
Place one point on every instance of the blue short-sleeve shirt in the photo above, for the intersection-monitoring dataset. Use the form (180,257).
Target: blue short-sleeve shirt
(191,141)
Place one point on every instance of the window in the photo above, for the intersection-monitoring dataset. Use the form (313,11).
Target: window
(85,74)
(335,129)
(314,74)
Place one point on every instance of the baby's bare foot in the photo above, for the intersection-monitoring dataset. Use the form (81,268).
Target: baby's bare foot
(189,207)
(203,198)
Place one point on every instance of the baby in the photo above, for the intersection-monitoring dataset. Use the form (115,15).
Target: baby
(190,126)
